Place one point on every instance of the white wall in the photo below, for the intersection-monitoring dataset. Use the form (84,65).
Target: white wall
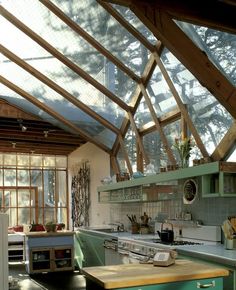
(99,162)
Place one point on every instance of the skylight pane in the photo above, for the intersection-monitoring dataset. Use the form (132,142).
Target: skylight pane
(13,98)
(142,115)
(209,117)
(106,30)
(155,151)
(136,23)
(63,76)
(46,24)
(56,102)
(219,46)
(160,94)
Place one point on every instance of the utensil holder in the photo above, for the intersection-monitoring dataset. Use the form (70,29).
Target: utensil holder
(229,244)
(135,228)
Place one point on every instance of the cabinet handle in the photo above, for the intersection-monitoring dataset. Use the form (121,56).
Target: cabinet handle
(210,285)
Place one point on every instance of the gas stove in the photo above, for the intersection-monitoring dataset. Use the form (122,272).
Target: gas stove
(176,243)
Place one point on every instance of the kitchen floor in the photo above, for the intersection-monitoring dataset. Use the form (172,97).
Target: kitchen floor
(46,281)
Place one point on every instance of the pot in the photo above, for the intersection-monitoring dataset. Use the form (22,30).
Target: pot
(166,235)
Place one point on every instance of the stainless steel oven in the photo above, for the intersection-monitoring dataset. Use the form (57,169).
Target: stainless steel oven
(132,252)
(111,252)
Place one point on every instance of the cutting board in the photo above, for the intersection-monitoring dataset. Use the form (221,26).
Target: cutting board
(130,275)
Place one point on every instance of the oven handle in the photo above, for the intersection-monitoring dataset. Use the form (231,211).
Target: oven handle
(137,256)
(123,252)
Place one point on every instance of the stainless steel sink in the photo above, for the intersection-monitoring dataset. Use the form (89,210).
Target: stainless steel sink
(108,230)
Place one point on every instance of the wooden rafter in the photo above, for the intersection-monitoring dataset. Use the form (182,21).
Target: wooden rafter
(226,144)
(57,88)
(165,29)
(150,66)
(127,25)
(167,118)
(158,126)
(51,112)
(114,164)
(208,13)
(122,146)
(74,26)
(138,139)
(62,58)
(181,106)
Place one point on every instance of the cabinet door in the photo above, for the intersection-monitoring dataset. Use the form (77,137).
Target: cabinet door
(214,284)
(92,249)
(40,260)
(63,258)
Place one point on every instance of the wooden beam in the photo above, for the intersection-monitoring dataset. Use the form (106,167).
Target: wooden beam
(114,164)
(158,126)
(165,29)
(52,113)
(150,66)
(210,13)
(226,144)
(127,25)
(8,110)
(57,88)
(11,18)
(123,149)
(74,26)
(140,143)
(182,108)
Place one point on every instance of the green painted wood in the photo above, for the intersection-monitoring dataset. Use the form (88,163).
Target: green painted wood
(213,183)
(183,173)
(229,282)
(185,285)
(92,248)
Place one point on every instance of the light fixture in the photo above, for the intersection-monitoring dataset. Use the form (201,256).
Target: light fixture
(45,133)
(23,128)
(13,144)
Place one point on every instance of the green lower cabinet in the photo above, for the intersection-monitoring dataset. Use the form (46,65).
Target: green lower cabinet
(213,283)
(229,282)
(92,249)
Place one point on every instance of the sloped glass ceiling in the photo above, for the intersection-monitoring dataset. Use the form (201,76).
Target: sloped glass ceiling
(80,61)
(55,70)
(95,20)
(219,47)
(210,118)
(136,23)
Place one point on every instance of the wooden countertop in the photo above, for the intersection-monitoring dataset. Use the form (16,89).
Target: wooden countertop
(130,275)
(48,234)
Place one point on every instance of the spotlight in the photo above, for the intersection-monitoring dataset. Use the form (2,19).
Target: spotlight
(23,128)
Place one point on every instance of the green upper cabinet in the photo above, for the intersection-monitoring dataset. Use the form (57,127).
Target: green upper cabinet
(213,179)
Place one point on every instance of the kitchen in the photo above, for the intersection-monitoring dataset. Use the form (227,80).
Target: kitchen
(125,100)
(204,239)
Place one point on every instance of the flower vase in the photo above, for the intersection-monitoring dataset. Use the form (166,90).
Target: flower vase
(184,162)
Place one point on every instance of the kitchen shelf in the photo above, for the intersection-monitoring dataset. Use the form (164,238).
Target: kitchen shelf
(214,179)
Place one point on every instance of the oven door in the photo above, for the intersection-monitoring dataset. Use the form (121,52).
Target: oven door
(123,256)
(111,253)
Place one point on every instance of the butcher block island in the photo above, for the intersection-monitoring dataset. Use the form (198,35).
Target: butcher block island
(183,275)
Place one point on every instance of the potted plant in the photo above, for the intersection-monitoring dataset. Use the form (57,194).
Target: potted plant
(51,227)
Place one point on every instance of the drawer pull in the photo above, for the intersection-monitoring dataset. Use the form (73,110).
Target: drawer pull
(210,285)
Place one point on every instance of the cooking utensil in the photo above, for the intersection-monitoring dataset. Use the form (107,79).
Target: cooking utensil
(233,222)
(166,235)
(227,229)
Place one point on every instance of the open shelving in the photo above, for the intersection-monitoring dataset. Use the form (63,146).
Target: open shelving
(214,179)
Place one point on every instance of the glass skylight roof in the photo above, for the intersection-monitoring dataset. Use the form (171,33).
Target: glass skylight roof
(103,72)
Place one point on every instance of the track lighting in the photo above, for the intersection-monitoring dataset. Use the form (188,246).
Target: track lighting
(23,128)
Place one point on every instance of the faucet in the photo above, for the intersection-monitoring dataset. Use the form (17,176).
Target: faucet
(119,226)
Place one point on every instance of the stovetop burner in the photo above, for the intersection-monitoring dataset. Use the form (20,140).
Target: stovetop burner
(176,243)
